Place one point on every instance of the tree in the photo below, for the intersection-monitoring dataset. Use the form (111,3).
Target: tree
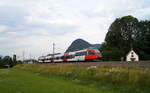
(14,58)
(7,60)
(142,43)
(120,38)
(1,64)
(110,53)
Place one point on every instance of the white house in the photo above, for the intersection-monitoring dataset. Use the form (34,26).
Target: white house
(132,56)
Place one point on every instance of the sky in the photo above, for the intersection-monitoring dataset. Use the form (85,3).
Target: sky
(32,26)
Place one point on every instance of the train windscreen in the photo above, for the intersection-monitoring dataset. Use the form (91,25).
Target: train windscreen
(97,51)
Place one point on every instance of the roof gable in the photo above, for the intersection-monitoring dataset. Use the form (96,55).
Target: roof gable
(131,52)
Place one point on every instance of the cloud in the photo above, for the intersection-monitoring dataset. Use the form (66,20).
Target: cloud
(12,15)
(33,25)
(3,28)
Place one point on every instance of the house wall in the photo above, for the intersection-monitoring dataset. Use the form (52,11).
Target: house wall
(129,57)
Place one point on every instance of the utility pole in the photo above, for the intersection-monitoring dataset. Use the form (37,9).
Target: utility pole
(53,52)
(53,49)
(23,53)
(30,56)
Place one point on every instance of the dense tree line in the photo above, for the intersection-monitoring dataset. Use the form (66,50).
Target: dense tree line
(7,61)
(124,34)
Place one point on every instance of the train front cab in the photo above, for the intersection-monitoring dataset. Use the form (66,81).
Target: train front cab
(93,55)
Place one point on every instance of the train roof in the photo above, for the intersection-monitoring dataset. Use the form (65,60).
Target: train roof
(53,54)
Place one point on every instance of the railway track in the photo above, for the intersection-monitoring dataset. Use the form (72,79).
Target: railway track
(140,64)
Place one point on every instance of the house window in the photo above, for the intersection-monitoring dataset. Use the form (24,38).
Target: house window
(132,55)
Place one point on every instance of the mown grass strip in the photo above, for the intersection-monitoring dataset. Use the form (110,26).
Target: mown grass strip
(18,81)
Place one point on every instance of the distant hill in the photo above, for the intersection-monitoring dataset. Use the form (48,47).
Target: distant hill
(80,44)
(1,56)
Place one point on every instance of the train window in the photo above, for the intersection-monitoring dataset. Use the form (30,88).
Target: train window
(50,59)
(84,53)
(78,54)
(57,58)
(81,53)
(68,56)
(72,56)
(60,57)
(63,57)
(90,53)
(97,51)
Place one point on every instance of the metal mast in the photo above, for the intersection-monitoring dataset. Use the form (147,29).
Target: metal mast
(53,49)
(23,53)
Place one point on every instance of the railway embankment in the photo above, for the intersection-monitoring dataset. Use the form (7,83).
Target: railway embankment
(140,64)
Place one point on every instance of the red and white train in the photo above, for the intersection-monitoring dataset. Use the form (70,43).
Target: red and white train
(82,55)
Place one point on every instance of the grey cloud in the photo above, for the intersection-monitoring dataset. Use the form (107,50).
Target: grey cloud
(11,15)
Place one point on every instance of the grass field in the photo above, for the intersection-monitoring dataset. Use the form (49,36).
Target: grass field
(15,81)
(35,78)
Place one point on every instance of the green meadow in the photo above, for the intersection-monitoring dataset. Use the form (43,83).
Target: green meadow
(72,78)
